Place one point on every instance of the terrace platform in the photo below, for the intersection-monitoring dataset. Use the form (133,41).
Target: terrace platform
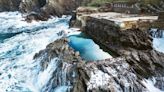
(124,21)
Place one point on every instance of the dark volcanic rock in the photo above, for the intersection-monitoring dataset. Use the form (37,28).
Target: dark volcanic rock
(133,44)
(60,7)
(42,7)
(60,49)
(118,41)
(111,75)
(27,6)
(36,16)
(9,5)
(122,74)
(51,7)
(135,61)
(65,64)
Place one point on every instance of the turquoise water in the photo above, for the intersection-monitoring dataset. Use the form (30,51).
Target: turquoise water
(4,36)
(88,49)
(158,44)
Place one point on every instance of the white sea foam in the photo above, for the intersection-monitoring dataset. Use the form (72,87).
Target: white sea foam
(18,71)
(149,84)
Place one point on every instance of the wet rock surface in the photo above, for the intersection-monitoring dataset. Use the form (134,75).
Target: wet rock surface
(135,60)
(121,74)
(35,16)
(42,7)
(60,49)
(133,44)
(9,5)
(64,75)
(135,57)
(111,75)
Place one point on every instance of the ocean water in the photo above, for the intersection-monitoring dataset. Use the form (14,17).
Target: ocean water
(19,41)
(157,41)
(158,44)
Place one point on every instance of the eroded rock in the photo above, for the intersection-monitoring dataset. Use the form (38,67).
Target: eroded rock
(121,74)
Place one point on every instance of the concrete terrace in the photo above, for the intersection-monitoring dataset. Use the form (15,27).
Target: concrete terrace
(124,21)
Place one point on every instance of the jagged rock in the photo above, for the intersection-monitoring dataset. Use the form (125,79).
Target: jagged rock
(60,7)
(133,44)
(61,50)
(9,5)
(27,6)
(122,74)
(114,75)
(42,7)
(36,17)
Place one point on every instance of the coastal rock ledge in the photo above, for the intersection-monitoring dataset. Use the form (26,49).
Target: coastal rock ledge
(135,66)
(126,73)
(134,44)
(42,7)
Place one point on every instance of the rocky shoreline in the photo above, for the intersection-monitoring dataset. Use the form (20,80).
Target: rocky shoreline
(124,73)
(99,76)
(134,60)
(41,9)
(134,56)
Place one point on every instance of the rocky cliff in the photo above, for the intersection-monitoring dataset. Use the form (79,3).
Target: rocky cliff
(47,7)
(125,73)
(134,44)
(59,7)
(111,75)
(9,5)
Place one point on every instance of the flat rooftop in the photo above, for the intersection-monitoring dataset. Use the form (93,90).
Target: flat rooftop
(119,17)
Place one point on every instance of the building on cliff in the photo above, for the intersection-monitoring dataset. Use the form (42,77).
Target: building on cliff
(125,7)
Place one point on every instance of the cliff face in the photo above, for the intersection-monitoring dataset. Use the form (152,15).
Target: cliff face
(60,7)
(49,7)
(9,5)
(134,44)
(121,74)
(27,6)
(111,75)
(65,70)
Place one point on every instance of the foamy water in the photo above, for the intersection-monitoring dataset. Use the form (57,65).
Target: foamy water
(18,71)
(19,41)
